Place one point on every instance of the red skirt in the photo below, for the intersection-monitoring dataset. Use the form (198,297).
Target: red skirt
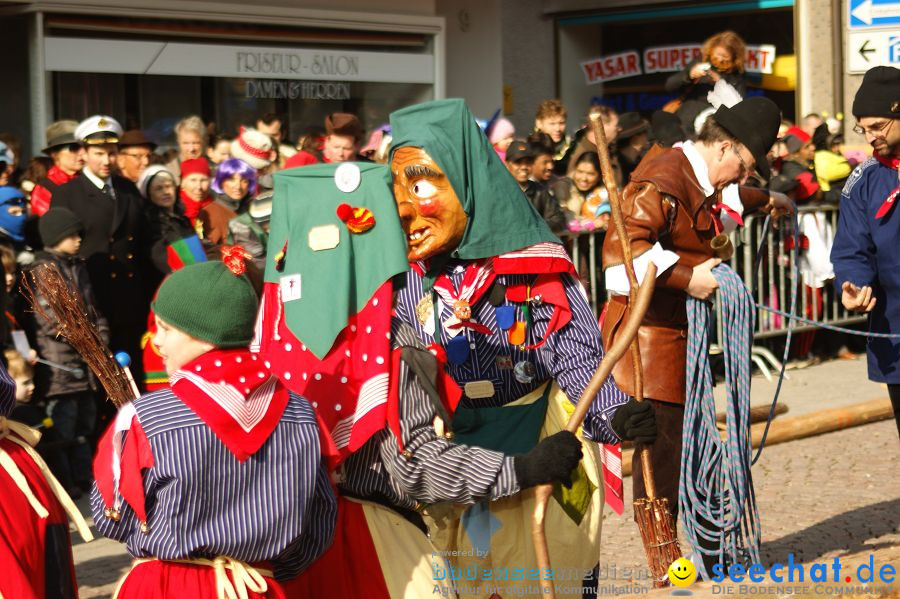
(349,569)
(35,553)
(174,580)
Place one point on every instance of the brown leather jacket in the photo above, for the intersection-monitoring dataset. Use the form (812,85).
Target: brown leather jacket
(663,203)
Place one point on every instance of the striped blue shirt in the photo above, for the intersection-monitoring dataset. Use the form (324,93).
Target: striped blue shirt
(570,355)
(7,393)
(437,470)
(277,506)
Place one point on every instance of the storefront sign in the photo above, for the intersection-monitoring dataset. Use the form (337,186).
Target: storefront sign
(612,67)
(279,89)
(213,60)
(662,59)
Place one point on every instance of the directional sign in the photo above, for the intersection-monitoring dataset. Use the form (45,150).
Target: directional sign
(867,49)
(874,13)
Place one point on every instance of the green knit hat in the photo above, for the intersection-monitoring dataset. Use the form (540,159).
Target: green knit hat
(210,303)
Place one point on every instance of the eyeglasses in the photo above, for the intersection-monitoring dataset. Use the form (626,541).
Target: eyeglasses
(745,170)
(136,156)
(879,130)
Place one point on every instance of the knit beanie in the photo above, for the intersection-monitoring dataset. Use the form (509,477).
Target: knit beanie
(143,182)
(879,94)
(501,130)
(253,147)
(211,301)
(195,165)
(57,224)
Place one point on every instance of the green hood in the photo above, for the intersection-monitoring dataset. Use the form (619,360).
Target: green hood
(339,278)
(501,219)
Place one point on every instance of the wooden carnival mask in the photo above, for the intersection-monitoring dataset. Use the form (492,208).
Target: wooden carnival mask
(430,211)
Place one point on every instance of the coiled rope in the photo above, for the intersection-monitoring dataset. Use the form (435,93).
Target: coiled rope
(716,499)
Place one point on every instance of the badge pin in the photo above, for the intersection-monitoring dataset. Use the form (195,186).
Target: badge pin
(525,372)
(291,288)
(347,177)
(462,310)
(504,362)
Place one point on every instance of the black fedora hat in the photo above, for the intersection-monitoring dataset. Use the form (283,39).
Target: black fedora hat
(630,124)
(754,122)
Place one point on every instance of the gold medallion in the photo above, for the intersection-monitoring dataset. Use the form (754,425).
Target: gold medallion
(424,309)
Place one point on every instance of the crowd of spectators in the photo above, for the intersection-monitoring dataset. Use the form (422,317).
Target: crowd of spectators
(107,207)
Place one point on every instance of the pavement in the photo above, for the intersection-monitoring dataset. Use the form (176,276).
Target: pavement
(831,496)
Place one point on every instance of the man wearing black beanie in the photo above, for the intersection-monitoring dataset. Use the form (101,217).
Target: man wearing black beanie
(864,254)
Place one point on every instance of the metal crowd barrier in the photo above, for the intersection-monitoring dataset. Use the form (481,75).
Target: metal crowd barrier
(770,284)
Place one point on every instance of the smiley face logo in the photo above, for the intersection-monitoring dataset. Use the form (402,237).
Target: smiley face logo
(682,572)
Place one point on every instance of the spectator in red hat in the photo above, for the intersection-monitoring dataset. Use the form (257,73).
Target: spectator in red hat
(194,191)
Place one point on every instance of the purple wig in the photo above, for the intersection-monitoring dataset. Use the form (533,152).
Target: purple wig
(231,167)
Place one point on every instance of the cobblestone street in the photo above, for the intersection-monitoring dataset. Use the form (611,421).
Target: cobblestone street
(821,497)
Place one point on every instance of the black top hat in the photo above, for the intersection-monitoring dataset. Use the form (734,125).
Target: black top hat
(879,94)
(518,150)
(630,124)
(754,122)
(666,128)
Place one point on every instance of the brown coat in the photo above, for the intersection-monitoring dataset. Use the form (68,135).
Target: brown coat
(663,203)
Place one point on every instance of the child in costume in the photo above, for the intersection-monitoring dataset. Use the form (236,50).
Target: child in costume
(326,329)
(216,484)
(491,288)
(35,550)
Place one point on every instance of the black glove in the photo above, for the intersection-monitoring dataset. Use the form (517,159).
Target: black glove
(636,421)
(552,460)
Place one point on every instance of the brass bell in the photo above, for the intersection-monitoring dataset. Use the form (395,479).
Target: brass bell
(449,435)
(145,528)
(407,454)
(112,513)
(722,247)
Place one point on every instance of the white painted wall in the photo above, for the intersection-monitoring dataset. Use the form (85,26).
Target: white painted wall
(473,53)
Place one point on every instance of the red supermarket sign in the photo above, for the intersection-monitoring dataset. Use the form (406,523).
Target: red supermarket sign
(611,67)
(661,59)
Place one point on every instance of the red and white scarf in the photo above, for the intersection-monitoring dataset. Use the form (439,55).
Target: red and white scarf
(893,163)
(234,393)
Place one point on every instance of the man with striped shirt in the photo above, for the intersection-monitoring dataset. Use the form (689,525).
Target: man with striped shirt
(216,484)
(493,291)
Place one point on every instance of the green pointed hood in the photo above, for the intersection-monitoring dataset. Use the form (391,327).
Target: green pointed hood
(501,219)
(336,271)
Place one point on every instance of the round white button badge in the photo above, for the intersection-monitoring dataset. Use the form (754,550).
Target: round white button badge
(347,177)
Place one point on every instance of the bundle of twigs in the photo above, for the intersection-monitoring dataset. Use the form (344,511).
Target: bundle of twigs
(51,297)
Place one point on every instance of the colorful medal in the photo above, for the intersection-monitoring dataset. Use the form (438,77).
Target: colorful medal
(506,317)
(458,350)
(516,334)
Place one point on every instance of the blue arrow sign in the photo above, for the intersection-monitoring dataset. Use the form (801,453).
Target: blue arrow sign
(874,13)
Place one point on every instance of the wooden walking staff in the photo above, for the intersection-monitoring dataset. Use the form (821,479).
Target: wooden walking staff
(652,514)
(627,338)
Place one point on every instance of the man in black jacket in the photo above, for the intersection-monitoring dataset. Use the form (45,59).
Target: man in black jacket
(519,161)
(111,211)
